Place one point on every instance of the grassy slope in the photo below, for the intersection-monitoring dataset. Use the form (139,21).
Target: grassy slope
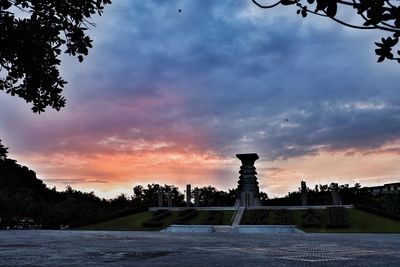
(134,222)
(360,222)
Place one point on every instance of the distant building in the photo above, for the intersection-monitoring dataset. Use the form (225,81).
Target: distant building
(383,189)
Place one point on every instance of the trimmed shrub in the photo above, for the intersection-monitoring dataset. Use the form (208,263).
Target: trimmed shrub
(159,211)
(249,218)
(109,217)
(264,215)
(158,216)
(337,217)
(256,217)
(311,218)
(185,215)
(161,215)
(151,223)
(283,217)
(186,211)
(213,218)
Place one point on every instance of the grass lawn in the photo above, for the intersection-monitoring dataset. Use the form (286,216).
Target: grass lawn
(134,222)
(360,222)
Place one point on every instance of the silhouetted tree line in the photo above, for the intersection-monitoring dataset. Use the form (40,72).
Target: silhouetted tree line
(25,197)
(207,196)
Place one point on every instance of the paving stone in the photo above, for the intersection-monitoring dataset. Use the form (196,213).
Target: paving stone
(114,248)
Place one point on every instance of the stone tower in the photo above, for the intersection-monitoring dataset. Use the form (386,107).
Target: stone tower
(335,194)
(188,194)
(303,193)
(248,191)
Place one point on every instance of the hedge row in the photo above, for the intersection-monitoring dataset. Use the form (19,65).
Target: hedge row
(157,219)
(109,217)
(312,218)
(186,211)
(332,217)
(283,217)
(185,215)
(161,214)
(337,217)
(213,218)
(256,217)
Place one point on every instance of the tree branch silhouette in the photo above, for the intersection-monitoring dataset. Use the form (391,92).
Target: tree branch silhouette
(381,15)
(33,36)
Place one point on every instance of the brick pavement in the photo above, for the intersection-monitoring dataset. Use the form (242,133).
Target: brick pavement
(100,248)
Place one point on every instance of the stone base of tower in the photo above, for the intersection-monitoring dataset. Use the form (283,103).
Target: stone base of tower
(249,199)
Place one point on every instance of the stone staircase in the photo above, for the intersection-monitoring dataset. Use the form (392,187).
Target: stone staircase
(238,216)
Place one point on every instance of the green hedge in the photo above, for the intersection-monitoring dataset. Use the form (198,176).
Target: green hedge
(337,217)
(256,217)
(213,218)
(157,219)
(283,217)
(185,215)
(109,217)
(312,218)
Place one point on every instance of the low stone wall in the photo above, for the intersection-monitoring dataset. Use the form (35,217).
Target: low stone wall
(254,207)
(197,208)
(267,229)
(240,229)
(317,207)
(189,229)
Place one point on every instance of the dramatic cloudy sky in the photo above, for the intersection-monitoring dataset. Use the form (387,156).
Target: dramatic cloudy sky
(171,97)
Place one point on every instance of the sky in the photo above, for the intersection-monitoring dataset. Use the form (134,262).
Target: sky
(170,98)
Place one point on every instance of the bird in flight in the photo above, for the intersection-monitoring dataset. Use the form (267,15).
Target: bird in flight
(180,10)
(286,120)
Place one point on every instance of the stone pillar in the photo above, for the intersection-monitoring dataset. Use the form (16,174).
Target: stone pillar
(188,195)
(303,193)
(335,194)
(248,191)
(196,197)
(160,195)
(169,199)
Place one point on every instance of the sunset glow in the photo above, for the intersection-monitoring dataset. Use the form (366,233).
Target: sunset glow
(170,98)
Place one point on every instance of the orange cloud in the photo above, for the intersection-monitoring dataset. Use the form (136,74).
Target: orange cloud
(326,167)
(109,174)
(105,173)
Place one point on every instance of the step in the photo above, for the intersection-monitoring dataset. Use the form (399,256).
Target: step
(222,228)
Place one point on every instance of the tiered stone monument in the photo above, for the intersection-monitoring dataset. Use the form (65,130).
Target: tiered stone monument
(303,193)
(248,191)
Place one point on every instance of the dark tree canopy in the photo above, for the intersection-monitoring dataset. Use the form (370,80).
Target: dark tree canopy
(33,35)
(3,152)
(380,15)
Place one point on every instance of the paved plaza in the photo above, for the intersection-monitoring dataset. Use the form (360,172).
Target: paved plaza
(98,248)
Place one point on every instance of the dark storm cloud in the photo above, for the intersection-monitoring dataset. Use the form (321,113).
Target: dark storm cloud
(222,80)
